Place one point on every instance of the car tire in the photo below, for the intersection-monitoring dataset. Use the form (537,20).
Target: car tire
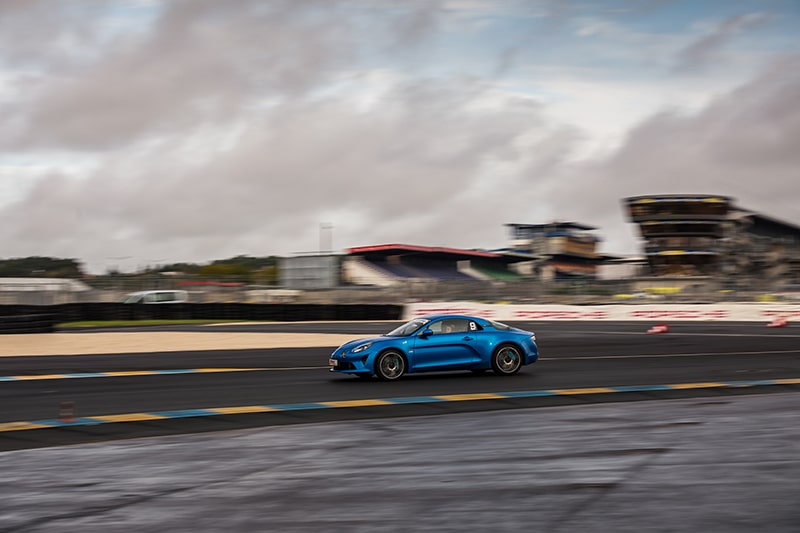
(506,360)
(390,365)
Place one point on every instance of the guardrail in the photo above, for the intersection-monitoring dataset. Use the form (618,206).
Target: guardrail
(42,319)
(27,323)
(14,318)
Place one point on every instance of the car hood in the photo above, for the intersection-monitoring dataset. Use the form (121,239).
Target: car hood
(348,346)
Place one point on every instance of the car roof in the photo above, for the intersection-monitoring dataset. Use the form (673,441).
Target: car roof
(443,315)
(137,293)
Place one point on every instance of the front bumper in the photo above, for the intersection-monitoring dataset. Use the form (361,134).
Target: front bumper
(350,364)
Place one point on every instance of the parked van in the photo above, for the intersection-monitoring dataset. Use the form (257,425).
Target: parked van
(156,297)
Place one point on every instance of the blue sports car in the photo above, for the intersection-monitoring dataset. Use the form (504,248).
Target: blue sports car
(438,342)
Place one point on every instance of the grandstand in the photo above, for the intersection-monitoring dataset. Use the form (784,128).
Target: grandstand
(709,236)
(694,241)
(388,265)
(683,234)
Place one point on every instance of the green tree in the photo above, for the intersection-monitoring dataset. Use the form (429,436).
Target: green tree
(40,267)
(224,271)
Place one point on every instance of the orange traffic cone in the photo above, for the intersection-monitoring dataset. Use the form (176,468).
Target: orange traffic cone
(658,328)
(778,323)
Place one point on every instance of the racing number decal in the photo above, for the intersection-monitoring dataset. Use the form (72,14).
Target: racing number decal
(473,326)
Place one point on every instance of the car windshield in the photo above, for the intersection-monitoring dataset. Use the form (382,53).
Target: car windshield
(408,328)
(499,325)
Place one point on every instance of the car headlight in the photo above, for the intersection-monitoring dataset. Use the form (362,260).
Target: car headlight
(533,337)
(362,347)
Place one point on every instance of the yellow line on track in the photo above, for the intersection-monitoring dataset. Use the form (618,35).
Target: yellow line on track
(243,409)
(20,426)
(593,390)
(708,385)
(468,397)
(130,417)
(356,403)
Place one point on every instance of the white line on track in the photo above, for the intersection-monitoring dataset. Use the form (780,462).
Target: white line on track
(294,368)
(673,334)
(668,355)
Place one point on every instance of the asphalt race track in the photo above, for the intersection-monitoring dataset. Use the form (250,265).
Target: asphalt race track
(580,363)
(613,430)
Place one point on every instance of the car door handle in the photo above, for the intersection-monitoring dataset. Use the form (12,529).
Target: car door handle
(467,338)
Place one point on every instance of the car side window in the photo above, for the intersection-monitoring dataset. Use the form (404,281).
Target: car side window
(454,325)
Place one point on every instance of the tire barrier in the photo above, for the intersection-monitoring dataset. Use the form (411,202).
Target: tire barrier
(27,323)
(13,316)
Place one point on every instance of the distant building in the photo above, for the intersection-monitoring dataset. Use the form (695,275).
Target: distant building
(42,291)
(310,271)
(558,250)
(621,267)
(762,246)
(42,284)
(707,235)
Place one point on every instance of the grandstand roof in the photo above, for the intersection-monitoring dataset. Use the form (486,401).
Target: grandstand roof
(706,198)
(408,249)
(555,225)
(770,220)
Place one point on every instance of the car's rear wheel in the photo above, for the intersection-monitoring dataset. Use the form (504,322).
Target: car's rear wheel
(506,360)
(390,366)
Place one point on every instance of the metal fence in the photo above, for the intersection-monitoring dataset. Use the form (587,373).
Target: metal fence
(579,292)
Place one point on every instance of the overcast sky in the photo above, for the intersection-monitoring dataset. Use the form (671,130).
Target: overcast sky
(145,132)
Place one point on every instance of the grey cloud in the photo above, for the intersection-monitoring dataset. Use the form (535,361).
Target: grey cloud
(39,34)
(203,62)
(704,51)
(417,168)
(425,166)
(417,21)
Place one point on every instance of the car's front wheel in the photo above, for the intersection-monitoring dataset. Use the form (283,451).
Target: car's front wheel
(506,360)
(390,366)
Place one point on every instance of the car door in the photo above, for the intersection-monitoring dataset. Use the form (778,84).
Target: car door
(450,345)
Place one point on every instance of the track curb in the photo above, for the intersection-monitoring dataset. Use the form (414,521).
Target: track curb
(68,430)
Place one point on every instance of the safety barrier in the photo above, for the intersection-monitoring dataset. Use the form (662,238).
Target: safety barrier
(38,319)
(27,323)
(28,317)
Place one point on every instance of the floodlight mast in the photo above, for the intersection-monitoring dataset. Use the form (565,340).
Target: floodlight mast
(325,241)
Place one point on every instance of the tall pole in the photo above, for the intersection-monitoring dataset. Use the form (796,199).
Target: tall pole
(325,245)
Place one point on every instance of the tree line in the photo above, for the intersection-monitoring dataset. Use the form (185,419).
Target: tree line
(40,267)
(261,270)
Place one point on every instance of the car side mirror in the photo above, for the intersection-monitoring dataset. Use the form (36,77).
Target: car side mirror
(426,333)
